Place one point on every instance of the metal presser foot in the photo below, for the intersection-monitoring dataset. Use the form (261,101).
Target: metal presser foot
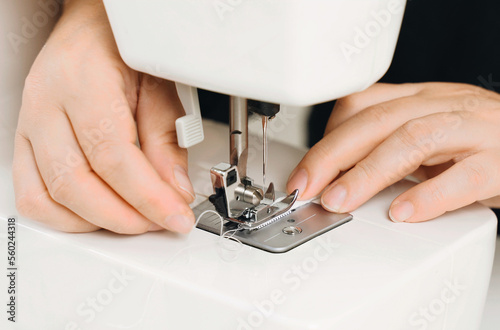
(262,220)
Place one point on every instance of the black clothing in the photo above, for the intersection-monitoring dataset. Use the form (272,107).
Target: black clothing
(442,41)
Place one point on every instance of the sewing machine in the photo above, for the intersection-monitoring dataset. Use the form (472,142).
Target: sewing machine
(358,271)
(266,59)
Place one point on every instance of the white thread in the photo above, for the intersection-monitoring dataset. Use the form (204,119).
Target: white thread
(223,236)
(227,239)
(221,220)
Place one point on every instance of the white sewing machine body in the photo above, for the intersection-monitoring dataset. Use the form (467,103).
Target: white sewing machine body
(293,52)
(369,273)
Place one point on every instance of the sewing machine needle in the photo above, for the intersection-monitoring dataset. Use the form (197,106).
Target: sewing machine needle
(264,148)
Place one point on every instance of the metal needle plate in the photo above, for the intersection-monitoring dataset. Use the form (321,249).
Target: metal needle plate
(311,218)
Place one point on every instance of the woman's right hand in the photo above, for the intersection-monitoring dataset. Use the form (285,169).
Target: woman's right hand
(76,164)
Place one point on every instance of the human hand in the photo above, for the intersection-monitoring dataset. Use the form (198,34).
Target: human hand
(446,134)
(76,166)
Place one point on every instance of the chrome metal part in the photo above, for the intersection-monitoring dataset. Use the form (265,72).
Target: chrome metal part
(241,202)
(265,120)
(225,180)
(292,230)
(270,194)
(267,214)
(238,126)
(311,218)
(249,194)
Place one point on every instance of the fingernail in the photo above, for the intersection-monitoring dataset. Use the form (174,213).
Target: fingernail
(155,227)
(334,198)
(183,181)
(179,223)
(298,181)
(401,211)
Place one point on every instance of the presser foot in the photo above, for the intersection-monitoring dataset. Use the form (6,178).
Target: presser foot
(263,220)
(240,201)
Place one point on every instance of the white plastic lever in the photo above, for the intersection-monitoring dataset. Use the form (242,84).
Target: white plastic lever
(189,127)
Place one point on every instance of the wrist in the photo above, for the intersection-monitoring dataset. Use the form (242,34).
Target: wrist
(83,20)
(91,11)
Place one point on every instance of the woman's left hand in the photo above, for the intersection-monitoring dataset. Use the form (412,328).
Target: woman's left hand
(445,134)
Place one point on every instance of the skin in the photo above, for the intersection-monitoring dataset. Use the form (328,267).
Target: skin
(77,166)
(445,134)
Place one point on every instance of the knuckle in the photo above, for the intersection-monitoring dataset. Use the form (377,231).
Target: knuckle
(468,96)
(435,192)
(321,151)
(477,91)
(28,205)
(33,82)
(146,202)
(345,108)
(452,117)
(60,188)
(477,174)
(106,158)
(368,169)
(33,92)
(348,102)
(378,114)
(169,138)
(468,90)
(413,132)
(166,140)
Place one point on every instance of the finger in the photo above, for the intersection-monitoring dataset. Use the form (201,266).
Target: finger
(33,200)
(474,178)
(71,182)
(106,130)
(353,140)
(493,202)
(350,105)
(426,172)
(423,141)
(157,111)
